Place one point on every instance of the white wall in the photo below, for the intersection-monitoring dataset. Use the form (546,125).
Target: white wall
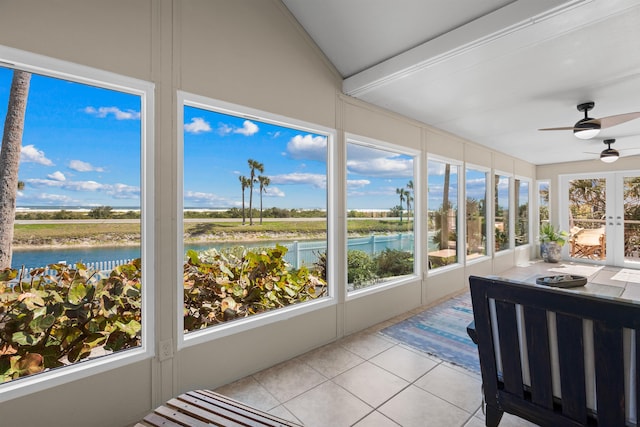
(247,52)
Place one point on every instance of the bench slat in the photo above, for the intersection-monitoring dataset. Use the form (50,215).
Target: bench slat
(202,414)
(157,420)
(539,356)
(609,363)
(263,417)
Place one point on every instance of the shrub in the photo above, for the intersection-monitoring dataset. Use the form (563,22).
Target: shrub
(225,285)
(394,262)
(59,315)
(360,268)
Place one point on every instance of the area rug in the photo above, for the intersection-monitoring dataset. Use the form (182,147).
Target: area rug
(627,275)
(577,270)
(441,331)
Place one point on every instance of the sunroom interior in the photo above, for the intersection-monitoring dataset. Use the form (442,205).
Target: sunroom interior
(462,85)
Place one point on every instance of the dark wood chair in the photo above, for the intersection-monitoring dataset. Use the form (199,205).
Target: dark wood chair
(556,357)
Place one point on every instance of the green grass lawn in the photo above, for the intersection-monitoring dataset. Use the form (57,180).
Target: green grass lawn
(46,233)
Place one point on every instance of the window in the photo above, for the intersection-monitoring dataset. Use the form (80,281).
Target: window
(476,232)
(543,201)
(82,200)
(442,214)
(381,213)
(522,204)
(501,218)
(255,213)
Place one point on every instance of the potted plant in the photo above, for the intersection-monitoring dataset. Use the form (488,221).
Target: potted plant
(551,242)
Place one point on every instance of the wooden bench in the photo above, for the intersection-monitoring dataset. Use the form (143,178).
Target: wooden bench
(207,408)
(556,357)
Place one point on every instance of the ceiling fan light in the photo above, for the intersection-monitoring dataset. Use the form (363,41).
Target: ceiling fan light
(609,155)
(586,128)
(586,133)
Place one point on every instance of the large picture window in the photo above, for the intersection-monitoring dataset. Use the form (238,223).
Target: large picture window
(381,214)
(73,247)
(476,208)
(442,214)
(501,212)
(255,214)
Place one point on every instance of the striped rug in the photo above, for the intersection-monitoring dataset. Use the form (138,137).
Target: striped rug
(442,332)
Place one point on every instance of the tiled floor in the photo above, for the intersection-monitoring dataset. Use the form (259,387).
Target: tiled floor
(369,380)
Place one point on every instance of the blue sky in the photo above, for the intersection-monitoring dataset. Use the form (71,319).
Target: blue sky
(217,147)
(81,147)
(81,144)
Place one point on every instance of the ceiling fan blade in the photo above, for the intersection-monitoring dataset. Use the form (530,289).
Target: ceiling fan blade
(563,128)
(609,121)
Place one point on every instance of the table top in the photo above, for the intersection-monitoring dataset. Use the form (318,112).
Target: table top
(604,281)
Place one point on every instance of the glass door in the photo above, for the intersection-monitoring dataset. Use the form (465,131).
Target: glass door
(627,222)
(602,215)
(587,211)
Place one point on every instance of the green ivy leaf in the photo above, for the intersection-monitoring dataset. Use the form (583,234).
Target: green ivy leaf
(23,338)
(77,293)
(42,323)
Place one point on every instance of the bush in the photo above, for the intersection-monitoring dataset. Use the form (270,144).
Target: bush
(225,285)
(394,262)
(360,269)
(58,316)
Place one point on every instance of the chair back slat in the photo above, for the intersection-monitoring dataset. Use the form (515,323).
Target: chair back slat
(609,364)
(509,348)
(537,332)
(571,361)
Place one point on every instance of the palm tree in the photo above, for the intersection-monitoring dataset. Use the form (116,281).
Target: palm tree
(10,161)
(244,182)
(254,165)
(264,183)
(409,194)
(402,192)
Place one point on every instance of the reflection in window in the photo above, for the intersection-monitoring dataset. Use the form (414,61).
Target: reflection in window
(78,295)
(380,223)
(476,191)
(522,219)
(501,218)
(255,216)
(442,218)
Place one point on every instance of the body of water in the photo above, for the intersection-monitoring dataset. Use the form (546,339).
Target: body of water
(302,252)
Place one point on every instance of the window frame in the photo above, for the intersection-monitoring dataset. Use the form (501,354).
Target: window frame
(229,328)
(461,237)
(488,211)
(350,138)
(64,70)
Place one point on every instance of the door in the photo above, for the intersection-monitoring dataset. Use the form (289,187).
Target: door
(602,215)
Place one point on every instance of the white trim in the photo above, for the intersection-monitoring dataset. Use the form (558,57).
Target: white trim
(262,319)
(50,67)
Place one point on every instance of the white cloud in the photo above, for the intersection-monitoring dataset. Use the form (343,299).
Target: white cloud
(197,125)
(57,176)
(123,191)
(308,147)
(352,184)
(48,199)
(248,129)
(382,167)
(273,192)
(80,166)
(119,114)
(208,199)
(117,191)
(29,153)
(313,179)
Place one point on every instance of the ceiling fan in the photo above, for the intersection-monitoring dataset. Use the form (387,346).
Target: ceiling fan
(610,155)
(588,127)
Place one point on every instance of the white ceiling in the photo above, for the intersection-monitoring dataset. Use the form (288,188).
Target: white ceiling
(491,71)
